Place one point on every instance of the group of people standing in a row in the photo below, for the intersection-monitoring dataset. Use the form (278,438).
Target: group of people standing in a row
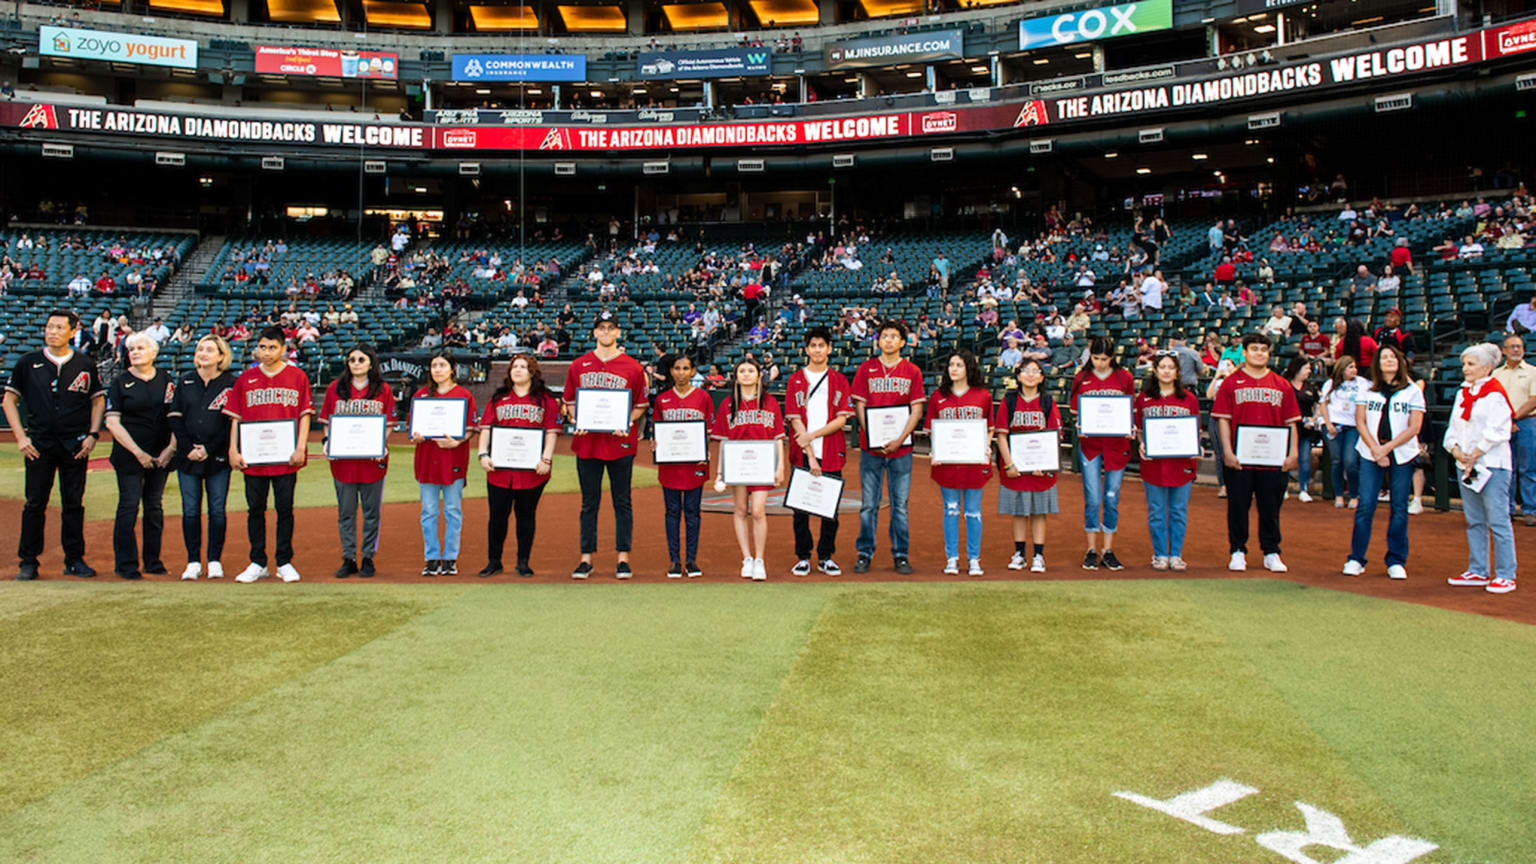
(192,423)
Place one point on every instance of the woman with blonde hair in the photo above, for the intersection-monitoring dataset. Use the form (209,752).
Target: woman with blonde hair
(201,429)
(138,403)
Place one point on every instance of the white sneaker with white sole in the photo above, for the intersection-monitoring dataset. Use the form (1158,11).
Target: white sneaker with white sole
(1273,564)
(252,573)
(1239,562)
(194,570)
(1415,507)
(1304,497)
(951,566)
(1397,571)
(287,573)
(746,568)
(1017,561)
(976,568)
(759,570)
(215,570)
(1353,568)
(1038,566)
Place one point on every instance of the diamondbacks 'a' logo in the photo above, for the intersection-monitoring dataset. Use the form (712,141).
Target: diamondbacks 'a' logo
(1033,113)
(170,392)
(219,401)
(39,117)
(81,384)
(554,139)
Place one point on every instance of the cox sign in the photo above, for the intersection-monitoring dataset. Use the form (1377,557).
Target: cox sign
(120,47)
(1104,23)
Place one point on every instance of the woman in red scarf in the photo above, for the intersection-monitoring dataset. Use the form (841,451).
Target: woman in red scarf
(1478,438)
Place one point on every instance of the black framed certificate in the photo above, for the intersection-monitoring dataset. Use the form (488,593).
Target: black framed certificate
(356,436)
(439,417)
(681,442)
(749,463)
(599,410)
(516,449)
(1171,437)
(882,425)
(268,442)
(1104,415)
(1035,451)
(960,442)
(1262,446)
(808,493)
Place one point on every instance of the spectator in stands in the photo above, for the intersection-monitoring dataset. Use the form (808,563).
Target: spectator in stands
(158,332)
(1064,357)
(1478,439)
(1152,288)
(547,346)
(1011,355)
(1216,238)
(1522,319)
(1363,282)
(1208,296)
(1389,282)
(1351,341)
(105,284)
(1246,295)
(1211,349)
(1315,344)
(1278,326)
(432,340)
(1226,271)
(1392,333)
(1469,249)
(79,286)
(1039,350)
(1189,361)
(1518,378)
(1401,257)
(1266,273)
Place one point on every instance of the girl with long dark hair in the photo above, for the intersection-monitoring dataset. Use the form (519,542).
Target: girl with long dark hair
(522,401)
(1299,372)
(1337,406)
(961,395)
(751,414)
(1388,417)
(1103,459)
(361,391)
(1167,481)
(682,484)
(441,465)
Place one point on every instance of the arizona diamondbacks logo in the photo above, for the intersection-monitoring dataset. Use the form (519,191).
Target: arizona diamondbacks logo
(1032,114)
(81,384)
(472,69)
(39,117)
(219,401)
(554,139)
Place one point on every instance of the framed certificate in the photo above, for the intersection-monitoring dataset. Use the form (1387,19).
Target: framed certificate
(1035,451)
(602,410)
(1104,416)
(749,463)
(439,417)
(882,425)
(268,442)
(356,436)
(960,442)
(1262,446)
(681,441)
(811,494)
(516,449)
(1171,437)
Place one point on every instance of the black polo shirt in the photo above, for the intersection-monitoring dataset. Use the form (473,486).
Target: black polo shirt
(141,407)
(197,416)
(57,396)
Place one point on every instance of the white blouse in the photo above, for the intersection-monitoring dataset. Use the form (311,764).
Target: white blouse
(1489,428)
(1341,400)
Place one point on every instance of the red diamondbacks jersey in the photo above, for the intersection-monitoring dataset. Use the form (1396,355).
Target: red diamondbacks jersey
(1166,472)
(1245,400)
(357,402)
(1026,417)
(259,396)
(622,372)
(975,404)
(834,387)
(878,386)
(672,408)
(1116,451)
(520,412)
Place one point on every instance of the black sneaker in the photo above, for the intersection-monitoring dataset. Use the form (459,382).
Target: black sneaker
(430,568)
(79,568)
(622,571)
(26,573)
(155,569)
(582,571)
(348,568)
(861,564)
(1091,560)
(1110,562)
(129,574)
(366,571)
(692,570)
(674,570)
(523,570)
(903,566)
(490,569)
(448,568)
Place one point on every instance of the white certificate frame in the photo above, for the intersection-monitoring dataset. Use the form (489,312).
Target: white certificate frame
(1249,438)
(1156,433)
(352,430)
(681,442)
(819,496)
(591,397)
(287,432)
(1122,411)
(948,431)
(735,462)
(438,428)
(503,445)
(1049,446)
(901,412)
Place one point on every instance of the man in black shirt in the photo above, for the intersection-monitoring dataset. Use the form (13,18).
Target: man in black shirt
(65,403)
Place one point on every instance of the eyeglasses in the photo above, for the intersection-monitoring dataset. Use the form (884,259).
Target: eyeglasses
(357,359)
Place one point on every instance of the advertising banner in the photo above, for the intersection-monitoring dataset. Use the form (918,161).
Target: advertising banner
(202,127)
(679,136)
(910,48)
(1513,39)
(1249,7)
(520,67)
(117,47)
(1108,22)
(328,62)
(723,63)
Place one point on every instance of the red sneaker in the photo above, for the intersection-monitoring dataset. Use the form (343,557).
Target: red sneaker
(1501,586)
(1468,578)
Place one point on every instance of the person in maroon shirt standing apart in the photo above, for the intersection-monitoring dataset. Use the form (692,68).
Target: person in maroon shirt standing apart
(271,390)
(886,381)
(1254,395)
(606,367)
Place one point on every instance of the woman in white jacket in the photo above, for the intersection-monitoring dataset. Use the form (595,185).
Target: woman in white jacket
(1478,439)
(1388,415)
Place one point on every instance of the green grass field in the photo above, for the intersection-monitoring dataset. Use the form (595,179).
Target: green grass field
(751,723)
(314,489)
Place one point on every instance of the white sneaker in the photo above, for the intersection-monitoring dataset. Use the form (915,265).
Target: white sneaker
(287,573)
(1038,566)
(1353,503)
(951,566)
(1238,563)
(194,569)
(976,568)
(215,570)
(252,573)
(1353,568)
(1016,562)
(1304,497)
(746,568)
(1177,563)
(1415,507)
(1397,571)
(1273,564)
(1159,562)
(759,571)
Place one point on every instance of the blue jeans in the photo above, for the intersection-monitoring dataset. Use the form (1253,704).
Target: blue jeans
(957,501)
(872,468)
(452,509)
(1303,463)
(1399,479)
(1523,445)
(1487,512)
(1167,518)
(1101,485)
(1345,460)
(192,486)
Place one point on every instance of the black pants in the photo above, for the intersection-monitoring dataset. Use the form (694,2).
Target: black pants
(53,457)
(1268,487)
(683,504)
(524,503)
(138,485)
(256,515)
(590,473)
(826,545)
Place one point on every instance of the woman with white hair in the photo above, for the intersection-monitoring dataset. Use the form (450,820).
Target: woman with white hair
(1478,439)
(202,452)
(138,405)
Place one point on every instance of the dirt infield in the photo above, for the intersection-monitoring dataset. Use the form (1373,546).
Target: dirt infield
(1316,544)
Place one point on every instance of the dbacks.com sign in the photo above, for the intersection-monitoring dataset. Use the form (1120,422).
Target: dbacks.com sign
(116,47)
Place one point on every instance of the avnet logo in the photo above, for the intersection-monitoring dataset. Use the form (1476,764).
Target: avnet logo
(943,121)
(459,138)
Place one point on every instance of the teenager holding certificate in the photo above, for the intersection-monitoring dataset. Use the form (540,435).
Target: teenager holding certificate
(818,405)
(1026,495)
(271,401)
(886,389)
(359,481)
(682,483)
(202,452)
(961,398)
(442,463)
(750,414)
(138,403)
(605,368)
(524,407)
(1254,408)
(1388,416)
(1103,457)
(1166,480)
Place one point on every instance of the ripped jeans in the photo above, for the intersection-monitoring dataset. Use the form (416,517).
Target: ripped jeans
(1099,486)
(956,502)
